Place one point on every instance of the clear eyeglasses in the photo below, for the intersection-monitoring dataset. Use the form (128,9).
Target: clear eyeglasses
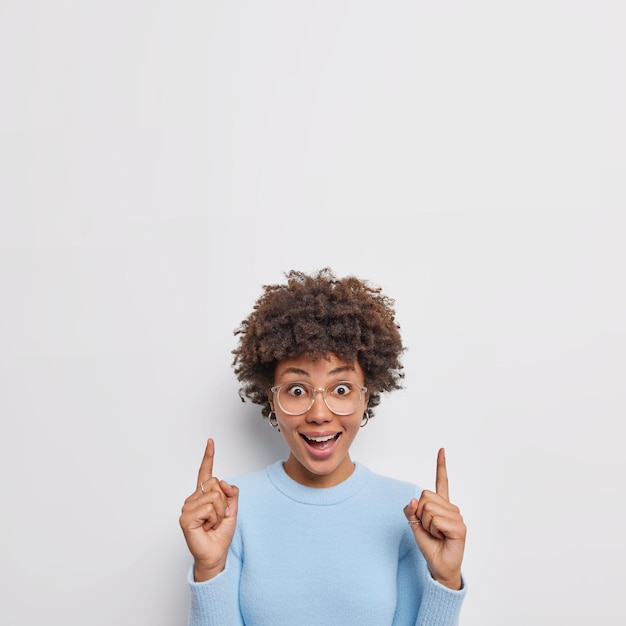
(296,398)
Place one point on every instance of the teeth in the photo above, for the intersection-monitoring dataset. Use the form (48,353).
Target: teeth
(320,439)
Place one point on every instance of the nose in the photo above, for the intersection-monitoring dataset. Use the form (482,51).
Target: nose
(319,412)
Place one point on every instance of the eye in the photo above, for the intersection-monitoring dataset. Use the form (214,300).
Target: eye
(343,389)
(297,390)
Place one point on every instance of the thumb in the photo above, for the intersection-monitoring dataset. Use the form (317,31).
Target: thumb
(232,498)
(410,510)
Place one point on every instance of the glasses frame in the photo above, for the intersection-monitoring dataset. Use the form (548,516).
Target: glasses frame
(276,390)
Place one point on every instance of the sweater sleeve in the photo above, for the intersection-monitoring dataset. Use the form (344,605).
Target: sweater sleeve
(215,602)
(440,606)
(420,594)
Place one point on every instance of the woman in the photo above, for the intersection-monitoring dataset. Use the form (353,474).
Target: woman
(318,539)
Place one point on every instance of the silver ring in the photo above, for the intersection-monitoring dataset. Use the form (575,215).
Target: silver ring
(201,487)
(415,521)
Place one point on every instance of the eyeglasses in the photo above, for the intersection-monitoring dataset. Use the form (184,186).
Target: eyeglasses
(296,398)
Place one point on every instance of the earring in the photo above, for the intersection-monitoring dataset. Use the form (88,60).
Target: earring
(272,419)
(365,419)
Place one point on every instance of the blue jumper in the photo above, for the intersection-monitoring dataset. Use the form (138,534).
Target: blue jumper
(339,556)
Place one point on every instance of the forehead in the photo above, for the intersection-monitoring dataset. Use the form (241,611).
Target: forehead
(308,368)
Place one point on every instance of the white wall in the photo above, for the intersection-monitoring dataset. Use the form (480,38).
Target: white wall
(159,162)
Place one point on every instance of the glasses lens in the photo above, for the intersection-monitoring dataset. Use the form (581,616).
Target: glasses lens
(342,398)
(297,398)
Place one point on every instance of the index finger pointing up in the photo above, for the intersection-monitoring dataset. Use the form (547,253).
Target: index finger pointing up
(441,480)
(206,467)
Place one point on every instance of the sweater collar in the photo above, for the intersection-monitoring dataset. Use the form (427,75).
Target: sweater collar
(312,495)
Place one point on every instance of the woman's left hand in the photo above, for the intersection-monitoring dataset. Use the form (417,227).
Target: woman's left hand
(439,529)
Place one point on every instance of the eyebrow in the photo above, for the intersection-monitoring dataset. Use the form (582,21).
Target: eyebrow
(336,370)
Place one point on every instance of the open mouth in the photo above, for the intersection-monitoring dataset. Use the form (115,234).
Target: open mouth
(321,443)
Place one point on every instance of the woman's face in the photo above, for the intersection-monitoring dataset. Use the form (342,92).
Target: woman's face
(319,440)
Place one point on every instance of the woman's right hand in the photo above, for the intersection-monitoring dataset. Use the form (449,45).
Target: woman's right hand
(208,519)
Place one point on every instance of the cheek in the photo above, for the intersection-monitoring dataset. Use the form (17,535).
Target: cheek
(355,423)
(284,425)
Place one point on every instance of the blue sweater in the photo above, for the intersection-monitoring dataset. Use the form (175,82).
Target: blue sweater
(323,557)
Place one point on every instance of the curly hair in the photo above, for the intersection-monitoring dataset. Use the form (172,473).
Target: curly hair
(318,315)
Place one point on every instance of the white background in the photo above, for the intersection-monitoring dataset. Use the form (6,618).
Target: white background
(160,161)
